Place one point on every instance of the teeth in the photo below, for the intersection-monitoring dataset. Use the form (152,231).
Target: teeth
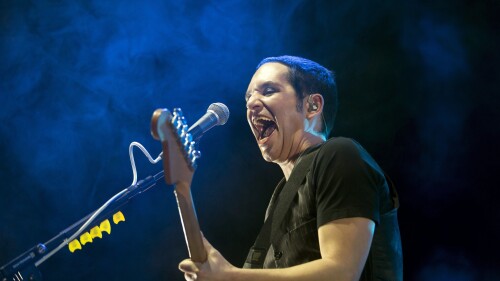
(262,124)
(260,120)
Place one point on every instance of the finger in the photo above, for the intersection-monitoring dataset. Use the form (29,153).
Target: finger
(190,277)
(188,266)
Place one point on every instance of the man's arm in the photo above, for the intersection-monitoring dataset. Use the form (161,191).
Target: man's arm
(344,246)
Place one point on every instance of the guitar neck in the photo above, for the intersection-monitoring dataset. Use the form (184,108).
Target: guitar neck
(179,156)
(190,223)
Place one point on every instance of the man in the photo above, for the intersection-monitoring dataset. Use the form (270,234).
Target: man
(333,216)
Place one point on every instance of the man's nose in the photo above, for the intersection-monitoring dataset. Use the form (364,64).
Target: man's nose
(254,102)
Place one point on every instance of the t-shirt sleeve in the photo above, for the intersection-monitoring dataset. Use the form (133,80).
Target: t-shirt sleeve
(347,180)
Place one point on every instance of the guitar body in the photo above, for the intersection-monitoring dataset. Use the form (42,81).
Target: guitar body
(179,157)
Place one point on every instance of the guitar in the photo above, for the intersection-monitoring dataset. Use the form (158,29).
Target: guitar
(179,163)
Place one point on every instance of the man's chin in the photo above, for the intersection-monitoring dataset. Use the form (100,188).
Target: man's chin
(266,154)
(267,158)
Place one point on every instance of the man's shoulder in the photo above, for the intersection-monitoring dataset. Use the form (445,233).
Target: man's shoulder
(341,146)
(346,153)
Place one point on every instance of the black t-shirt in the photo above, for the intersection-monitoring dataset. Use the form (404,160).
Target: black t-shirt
(342,182)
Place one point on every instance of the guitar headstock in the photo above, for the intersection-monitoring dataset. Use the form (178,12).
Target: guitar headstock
(179,153)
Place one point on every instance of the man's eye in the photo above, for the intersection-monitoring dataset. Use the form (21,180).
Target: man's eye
(268,91)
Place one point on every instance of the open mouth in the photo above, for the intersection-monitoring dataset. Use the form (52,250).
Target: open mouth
(265,127)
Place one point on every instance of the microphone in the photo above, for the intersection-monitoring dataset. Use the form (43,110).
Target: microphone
(217,114)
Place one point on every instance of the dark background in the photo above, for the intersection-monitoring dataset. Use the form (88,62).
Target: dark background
(79,80)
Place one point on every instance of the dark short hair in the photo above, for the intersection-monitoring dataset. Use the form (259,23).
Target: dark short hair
(308,77)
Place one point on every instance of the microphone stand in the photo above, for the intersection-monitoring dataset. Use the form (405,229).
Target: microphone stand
(24,267)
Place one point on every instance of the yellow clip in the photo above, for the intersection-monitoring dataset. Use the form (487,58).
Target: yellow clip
(95,232)
(85,238)
(74,245)
(118,217)
(105,226)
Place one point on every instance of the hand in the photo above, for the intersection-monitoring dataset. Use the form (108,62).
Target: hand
(216,267)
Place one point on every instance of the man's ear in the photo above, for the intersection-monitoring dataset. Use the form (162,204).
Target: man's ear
(314,105)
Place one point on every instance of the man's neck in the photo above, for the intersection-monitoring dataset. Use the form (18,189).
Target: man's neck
(288,165)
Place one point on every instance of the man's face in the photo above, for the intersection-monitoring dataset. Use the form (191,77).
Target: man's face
(272,113)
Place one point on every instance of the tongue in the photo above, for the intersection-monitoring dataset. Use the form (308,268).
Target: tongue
(268,131)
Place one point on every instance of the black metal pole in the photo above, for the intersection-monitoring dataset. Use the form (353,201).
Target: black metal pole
(25,266)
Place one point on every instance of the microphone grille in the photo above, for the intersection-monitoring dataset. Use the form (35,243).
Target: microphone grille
(221,111)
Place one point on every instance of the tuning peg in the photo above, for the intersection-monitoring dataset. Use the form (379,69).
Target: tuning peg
(179,123)
(195,154)
(191,147)
(180,127)
(178,112)
(188,139)
(183,131)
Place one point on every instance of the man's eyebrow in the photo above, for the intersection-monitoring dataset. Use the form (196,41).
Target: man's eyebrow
(269,83)
(266,84)
(260,86)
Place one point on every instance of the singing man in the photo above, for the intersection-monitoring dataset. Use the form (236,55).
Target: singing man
(333,216)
